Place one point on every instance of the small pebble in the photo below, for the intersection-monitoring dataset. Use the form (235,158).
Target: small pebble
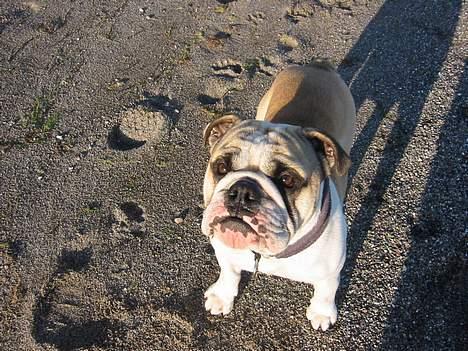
(178,220)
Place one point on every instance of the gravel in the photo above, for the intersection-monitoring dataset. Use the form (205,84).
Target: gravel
(102,108)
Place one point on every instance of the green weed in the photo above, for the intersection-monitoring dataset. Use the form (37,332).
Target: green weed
(40,118)
(220,9)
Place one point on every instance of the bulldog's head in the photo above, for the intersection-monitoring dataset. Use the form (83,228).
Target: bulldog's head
(263,179)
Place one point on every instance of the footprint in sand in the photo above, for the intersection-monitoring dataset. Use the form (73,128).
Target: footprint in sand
(130,219)
(62,315)
(150,121)
(227,68)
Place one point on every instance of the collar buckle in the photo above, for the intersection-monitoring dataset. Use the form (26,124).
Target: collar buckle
(257,260)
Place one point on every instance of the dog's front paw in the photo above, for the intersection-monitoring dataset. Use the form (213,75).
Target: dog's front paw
(320,317)
(215,304)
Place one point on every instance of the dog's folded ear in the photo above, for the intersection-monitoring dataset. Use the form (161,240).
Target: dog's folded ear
(337,158)
(215,130)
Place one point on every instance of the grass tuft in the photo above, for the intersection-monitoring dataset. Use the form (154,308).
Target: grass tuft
(40,118)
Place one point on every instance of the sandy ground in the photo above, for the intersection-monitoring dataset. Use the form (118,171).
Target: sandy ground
(102,106)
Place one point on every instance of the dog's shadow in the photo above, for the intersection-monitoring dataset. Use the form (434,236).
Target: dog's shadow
(395,64)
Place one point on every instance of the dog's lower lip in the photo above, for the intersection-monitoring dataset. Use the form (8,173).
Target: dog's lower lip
(237,224)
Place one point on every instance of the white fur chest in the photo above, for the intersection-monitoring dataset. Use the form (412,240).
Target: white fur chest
(325,257)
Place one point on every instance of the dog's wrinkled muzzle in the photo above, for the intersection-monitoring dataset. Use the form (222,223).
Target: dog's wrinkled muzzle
(243,216)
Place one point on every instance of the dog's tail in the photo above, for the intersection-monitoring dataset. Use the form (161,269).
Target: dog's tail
(323,64)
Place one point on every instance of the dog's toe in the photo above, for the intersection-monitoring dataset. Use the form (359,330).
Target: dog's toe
(215,305)
(320,321)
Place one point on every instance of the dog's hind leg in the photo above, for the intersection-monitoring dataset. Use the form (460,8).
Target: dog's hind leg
(262,108)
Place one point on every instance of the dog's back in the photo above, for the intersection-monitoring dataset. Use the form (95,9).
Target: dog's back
(314,96)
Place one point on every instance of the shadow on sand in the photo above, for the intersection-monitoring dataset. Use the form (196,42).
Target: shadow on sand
(396,62)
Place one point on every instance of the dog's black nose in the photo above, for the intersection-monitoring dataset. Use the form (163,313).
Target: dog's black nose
(243,198)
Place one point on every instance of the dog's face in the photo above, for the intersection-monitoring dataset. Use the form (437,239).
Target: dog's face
(262,181)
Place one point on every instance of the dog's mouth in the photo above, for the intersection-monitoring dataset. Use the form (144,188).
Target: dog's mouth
(233,224)
(234,232)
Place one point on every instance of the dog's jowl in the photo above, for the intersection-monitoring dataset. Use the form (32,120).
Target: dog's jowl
(274,188)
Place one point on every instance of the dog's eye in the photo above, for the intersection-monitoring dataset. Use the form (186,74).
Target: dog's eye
(287,180)
(222,167)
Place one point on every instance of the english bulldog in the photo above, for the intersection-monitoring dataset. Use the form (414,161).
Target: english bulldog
(274,188)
